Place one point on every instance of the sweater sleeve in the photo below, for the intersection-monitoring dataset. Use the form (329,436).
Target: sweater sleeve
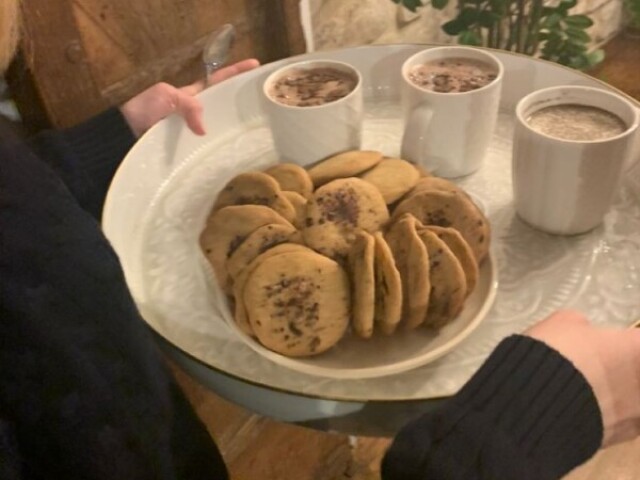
(84,392)
(528,413)
(86,156)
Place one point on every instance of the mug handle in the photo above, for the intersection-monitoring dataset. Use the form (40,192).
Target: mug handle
(414,138)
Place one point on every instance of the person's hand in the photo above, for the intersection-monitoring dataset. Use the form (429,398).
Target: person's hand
(610,361)
(149,107)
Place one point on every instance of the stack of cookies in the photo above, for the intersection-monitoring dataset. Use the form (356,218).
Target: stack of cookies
(356,244)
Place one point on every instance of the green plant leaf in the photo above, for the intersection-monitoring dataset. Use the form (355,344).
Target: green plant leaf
(468,16)
(595,57)
(579,62)
(469,37)
(633,7)
(453,27)
(578,35)
(551,21)
(551,45)
(568,4)
(575,48)
(487,19)
(578,21)
(499,7)
(555,36)
(412,5)
(439,4)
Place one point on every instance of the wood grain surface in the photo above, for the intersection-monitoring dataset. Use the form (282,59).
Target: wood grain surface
(106,51)
(255,447)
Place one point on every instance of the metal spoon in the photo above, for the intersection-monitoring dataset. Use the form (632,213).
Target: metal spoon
(216,49)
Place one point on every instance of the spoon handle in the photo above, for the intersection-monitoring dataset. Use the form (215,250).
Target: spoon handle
(209,69)
(216,50)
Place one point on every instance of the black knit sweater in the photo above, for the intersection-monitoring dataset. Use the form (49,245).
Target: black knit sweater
(83,391)
(527,414)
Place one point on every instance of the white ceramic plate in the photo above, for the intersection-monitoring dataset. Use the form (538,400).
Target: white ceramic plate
(158,196)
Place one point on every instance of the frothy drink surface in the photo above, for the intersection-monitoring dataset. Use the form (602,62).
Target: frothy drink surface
(311,87)
(453,75)
(576,122)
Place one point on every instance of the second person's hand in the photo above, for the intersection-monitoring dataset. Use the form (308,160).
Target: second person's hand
(162,99)
(609,359)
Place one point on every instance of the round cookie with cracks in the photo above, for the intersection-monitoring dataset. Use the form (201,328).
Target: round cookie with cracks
(448,284)
(225,231)
(255,188)
(412,261)
(343,165)
(298,303)
(361,270)
(461,249)
(450,209)
(292,177)
(257,242)
(240,315)
(388,289)
(394,177)
(338,210)
(299,204)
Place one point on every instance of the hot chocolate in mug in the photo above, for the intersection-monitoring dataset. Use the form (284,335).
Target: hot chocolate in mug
(570,146)
(450,98)
(314,109)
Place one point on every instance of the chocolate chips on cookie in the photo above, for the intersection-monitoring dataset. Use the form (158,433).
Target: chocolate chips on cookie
(355,245)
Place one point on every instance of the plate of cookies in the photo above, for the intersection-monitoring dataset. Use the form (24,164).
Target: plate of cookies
(349,234)
(359,266)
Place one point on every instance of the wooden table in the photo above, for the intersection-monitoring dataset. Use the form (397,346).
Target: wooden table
(256,447)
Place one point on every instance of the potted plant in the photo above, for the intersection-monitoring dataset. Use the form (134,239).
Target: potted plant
(526,26)
(632,8)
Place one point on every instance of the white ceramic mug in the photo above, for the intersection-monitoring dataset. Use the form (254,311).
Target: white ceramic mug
(305,135)
(448,133)
(567,186)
